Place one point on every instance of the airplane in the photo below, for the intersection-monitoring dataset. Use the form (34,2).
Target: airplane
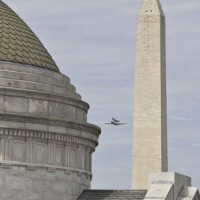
(115,122)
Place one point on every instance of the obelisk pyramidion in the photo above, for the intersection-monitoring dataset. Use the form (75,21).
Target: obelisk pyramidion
(150,116)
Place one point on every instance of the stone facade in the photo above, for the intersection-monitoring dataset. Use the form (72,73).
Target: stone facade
(46,144)
(18,182)
(171,186)
(150,115)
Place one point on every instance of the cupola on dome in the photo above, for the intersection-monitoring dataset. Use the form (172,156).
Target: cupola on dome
(19,44)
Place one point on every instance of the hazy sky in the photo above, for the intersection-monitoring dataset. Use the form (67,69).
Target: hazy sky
(93,42)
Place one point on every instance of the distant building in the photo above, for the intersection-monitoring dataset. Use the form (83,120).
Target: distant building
(46,143)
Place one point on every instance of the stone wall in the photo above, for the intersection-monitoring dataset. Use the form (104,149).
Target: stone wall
(38,92)
(46,144)
(20,183)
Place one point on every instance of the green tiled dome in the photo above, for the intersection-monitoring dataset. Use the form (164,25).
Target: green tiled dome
(19,44)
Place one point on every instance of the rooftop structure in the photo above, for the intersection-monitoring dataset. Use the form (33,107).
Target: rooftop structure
(112,195)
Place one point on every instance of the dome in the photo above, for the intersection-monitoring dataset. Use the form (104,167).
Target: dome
(19,44)
(46,142)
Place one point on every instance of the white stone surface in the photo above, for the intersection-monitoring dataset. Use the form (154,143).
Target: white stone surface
(172,178)
(160,191)
(171,186)
(189,193)
(150,113)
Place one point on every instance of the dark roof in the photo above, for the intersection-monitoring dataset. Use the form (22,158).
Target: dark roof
(19,44)
(112,195)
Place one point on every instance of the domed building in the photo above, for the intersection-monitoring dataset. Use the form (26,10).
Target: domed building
(46,143)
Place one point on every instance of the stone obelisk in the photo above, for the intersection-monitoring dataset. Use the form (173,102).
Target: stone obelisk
(150,113)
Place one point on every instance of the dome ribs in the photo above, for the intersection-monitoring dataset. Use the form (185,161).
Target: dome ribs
(19,44)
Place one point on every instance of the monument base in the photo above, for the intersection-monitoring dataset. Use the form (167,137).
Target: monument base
(170,186)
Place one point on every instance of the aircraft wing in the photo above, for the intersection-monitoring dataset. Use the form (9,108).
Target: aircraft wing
(115,120)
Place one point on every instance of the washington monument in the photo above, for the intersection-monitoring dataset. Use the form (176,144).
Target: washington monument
(150,109)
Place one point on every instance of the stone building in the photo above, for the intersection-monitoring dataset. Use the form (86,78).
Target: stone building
(46,143)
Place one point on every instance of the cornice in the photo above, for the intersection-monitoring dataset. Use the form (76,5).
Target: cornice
(45,96)
(42,135)
(49,121)
(49,168)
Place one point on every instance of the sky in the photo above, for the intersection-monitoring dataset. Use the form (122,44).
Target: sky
(93,43)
